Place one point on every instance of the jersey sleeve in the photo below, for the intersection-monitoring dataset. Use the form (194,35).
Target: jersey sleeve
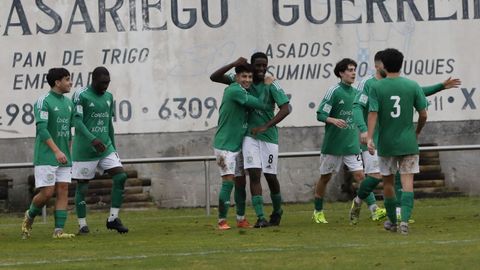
(230,77)
(79,102)
(325,108)
(420,99)
(41,119)
(245,99)
(432,89)
(373,100)
(278,94)
(359,106)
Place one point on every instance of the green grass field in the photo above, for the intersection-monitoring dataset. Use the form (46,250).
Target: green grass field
(446,235)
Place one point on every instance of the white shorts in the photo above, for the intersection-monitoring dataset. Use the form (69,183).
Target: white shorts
(405,164)
(370,162)
(260,154)
(87,169)
(229,162)
(331,163)
(47,176)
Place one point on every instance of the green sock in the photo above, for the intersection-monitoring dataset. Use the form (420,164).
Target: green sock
(224,198)
(407,206)
(318,204)
(277,203)
(80,204)
(257,202)
(398,189)
(34,211)
(390,207)
(60,218)
(118,187)
(366,188)
(370,200)
(240,196)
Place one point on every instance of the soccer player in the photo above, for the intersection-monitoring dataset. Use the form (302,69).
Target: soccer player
(232,126)
(340,143)
(360,111)
(94,147)
(260,146)
(392,101)
(52,159)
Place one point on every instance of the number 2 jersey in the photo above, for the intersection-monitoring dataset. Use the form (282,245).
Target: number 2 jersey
(94,114)
(53,119)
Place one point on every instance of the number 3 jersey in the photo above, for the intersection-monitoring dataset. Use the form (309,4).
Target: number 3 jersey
(94,113)
(395,100)
(53,119)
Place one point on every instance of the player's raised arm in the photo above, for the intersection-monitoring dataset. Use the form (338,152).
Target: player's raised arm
(447,84)
(219,74)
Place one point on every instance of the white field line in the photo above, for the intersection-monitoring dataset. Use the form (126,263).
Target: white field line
(247,251)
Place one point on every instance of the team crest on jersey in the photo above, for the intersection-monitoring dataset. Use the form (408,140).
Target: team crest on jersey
(327,108)
(84,171)
(80,109)
(363,98)
(44,115)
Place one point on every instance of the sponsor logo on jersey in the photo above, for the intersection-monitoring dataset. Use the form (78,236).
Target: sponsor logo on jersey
(91,105)
(56,109)
(70,108)
(108,103)
(341,102)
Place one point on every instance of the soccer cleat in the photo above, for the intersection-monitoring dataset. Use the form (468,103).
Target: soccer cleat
(243,223)
(26,226)
(83,230)
(261,223)
(222,225)
(275,218)
(319,217)
(389,226)
(355,212)
(404,228)
(379,214)
(59,234)
(410,221)
(116,224)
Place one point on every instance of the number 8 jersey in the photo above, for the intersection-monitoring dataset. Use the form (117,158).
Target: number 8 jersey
(94,114)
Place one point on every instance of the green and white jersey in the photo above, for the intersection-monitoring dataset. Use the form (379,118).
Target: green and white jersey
(53,118)
(394,99)
(271,94)
(95,112)
(338,103)
(360,107)
(232,121)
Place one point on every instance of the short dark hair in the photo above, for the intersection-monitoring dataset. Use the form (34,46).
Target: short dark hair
(258,55)
(342,65)
(378,56)
(99,71)
(56,74)
(392,60)
(244,68)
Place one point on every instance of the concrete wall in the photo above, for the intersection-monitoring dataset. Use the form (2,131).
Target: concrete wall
(182,184)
